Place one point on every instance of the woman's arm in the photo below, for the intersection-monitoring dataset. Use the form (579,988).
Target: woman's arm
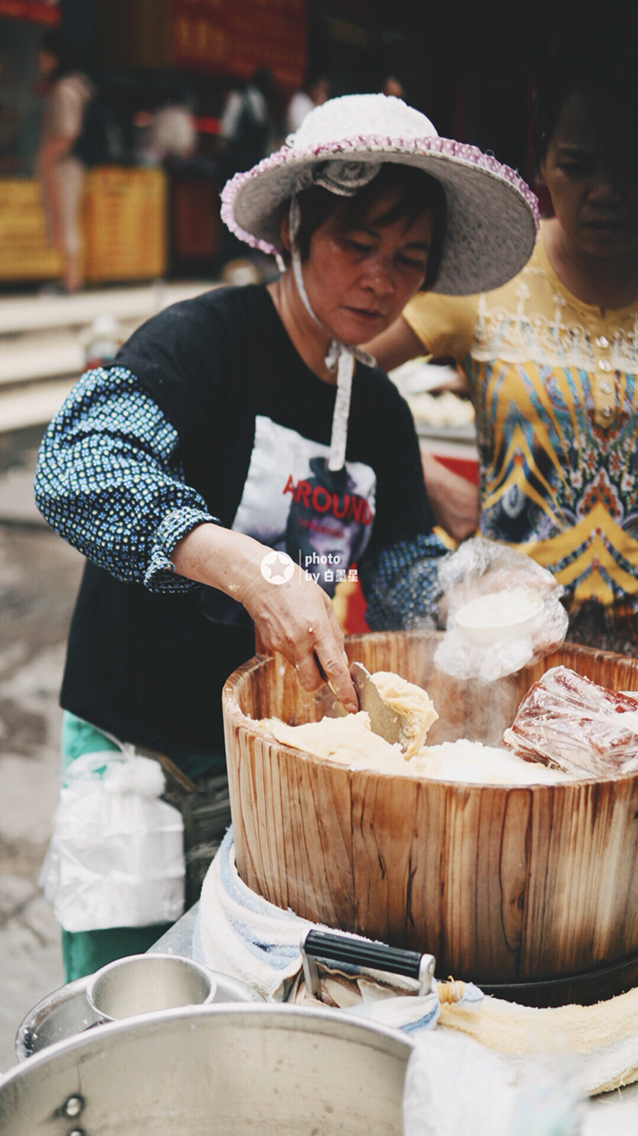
(109,481)
(401,586)
(455,501)
(430,325)
(395,345)
(399,568)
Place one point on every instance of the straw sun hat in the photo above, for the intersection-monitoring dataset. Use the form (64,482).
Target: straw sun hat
(492,215)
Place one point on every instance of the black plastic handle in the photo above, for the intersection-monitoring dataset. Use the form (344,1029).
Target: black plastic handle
(375,956)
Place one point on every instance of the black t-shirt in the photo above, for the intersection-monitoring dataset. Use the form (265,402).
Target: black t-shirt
(254,424)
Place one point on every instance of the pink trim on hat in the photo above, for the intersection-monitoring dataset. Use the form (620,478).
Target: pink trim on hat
(445,147)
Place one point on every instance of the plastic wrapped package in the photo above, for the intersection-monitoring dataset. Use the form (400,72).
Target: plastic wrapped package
(503,611)
(570,722)
(116,858)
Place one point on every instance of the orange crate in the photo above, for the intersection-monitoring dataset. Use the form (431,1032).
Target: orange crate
(125,224)
(25,253)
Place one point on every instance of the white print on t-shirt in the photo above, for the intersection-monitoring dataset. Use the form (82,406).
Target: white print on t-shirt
(292,502)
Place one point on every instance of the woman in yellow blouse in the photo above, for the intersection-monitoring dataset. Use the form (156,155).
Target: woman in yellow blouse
(552,358)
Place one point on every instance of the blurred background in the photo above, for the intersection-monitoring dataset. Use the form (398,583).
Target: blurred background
(162,73)
(158,102)
(149,105)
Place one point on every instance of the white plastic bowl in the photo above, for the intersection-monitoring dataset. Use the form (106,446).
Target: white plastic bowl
(500,617)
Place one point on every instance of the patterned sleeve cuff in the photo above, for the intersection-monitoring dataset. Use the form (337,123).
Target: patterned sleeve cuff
(161,575)
(401,584)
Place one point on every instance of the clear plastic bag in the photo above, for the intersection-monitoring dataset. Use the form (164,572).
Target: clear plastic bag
(116,857)
(570,722)
(503,610)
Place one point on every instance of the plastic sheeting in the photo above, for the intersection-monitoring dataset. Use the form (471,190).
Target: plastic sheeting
(116,858)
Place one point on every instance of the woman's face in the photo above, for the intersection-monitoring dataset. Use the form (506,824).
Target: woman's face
(359,281)
(591,172)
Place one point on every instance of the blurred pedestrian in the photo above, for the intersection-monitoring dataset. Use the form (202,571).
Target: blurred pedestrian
(250,129)
(173,131)
(315,92)
(247,124)
(61,170)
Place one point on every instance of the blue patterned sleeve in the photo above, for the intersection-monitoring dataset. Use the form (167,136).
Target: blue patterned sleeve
(400,584)
(109,482)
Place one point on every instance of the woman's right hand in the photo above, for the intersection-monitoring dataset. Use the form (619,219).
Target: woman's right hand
(297,619)
(294,616)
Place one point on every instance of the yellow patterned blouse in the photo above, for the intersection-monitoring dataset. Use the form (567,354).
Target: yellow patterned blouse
(554,386)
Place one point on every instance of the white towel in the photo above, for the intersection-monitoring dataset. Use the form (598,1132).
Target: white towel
(242,934)
(604,1037)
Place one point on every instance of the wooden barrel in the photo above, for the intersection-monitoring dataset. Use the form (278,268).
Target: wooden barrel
(527,886)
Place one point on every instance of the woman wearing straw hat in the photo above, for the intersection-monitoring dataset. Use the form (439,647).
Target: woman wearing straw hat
(241,453)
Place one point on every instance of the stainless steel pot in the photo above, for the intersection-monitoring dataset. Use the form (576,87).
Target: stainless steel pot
(214,1071)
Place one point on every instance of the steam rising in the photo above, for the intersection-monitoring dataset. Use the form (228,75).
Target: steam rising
(471,709)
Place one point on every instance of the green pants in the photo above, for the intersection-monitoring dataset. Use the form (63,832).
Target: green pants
(84,952)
